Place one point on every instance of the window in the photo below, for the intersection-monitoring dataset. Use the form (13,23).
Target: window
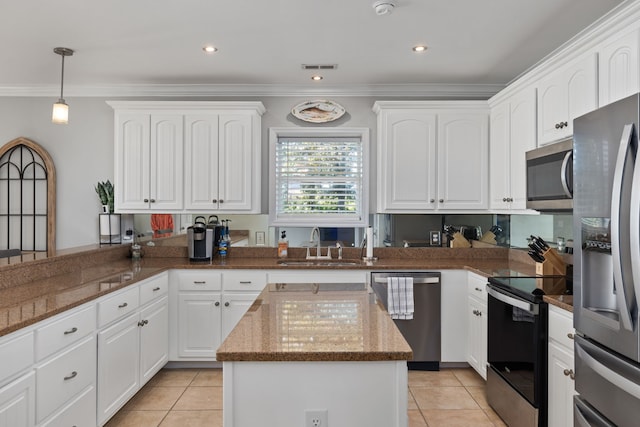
(319,176)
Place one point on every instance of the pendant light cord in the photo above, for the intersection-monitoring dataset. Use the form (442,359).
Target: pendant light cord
(62,78)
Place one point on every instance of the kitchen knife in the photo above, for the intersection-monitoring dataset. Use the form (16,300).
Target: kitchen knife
(535,256)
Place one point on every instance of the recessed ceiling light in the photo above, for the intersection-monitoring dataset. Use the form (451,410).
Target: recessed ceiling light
(419,48)
(210,49)
(316,78)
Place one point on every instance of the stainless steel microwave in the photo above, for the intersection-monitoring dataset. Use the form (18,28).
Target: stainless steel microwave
(550,177)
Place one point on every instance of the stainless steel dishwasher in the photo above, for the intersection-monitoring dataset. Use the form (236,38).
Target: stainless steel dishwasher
(423,331)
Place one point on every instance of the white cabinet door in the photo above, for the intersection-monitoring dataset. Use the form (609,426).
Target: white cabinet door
(463,147)
(132,154)
(154,339)
(500,157)
(522,139)
(477,338)
(234,306)
(453,337)
(561,386)
(237,163)
(618,67)
(565,95)
(407,161)
(201,155)
(118,366)
(166,167)
(198,325)
(18,402)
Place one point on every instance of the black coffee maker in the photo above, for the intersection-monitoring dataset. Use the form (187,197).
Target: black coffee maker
(200,240)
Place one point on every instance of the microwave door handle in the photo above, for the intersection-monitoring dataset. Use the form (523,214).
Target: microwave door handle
(563,174)
(616,236)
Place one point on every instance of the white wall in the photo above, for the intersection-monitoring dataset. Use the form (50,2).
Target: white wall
(82,151)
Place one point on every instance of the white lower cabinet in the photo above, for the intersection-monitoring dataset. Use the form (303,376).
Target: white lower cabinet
(17,402)
(80,411)
(207,305)
(561,372)
(132,348)
(477,324)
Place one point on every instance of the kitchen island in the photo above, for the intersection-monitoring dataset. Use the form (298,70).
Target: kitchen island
(315,347)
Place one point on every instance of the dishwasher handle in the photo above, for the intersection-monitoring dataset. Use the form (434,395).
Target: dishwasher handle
(416,280)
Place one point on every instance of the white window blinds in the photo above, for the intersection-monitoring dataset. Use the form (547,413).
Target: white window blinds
(319,179)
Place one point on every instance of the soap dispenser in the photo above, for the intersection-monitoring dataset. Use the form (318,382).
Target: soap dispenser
(283,246)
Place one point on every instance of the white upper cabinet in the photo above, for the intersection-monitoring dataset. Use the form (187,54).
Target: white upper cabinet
(618,67)
(463,159)
(564,95)
(174,156)
(407,158)
(513,133)
(148,162)
(432,156)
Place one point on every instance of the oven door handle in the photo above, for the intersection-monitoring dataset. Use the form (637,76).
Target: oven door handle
(523,305)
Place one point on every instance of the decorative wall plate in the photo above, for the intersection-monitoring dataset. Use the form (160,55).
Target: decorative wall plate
(318,111)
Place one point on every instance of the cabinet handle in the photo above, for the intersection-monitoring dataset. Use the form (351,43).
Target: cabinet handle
(569,373)
(214,201)
(156,289)
(199,282)
(245,282)
(226,304)
(71,331)
(141,323)
(217,304)
(570,335)
(123,305)
(72,376)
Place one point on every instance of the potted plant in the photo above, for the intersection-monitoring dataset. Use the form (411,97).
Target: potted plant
(109,222)
(105,192)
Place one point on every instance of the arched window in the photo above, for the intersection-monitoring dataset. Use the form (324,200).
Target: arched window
(27,198)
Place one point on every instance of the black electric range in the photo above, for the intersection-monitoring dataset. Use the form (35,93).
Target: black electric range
(533,288)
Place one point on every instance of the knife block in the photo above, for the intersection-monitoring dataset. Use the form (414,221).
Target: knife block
(459,241)
(553,265)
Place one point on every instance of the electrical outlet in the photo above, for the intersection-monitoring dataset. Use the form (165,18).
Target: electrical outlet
(260,238)
(316,418)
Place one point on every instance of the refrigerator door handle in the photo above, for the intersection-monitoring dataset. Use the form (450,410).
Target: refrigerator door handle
(634,228)
(563,174)
(582,352)
(616,201)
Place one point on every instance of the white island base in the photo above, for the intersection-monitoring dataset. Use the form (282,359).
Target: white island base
(354,393)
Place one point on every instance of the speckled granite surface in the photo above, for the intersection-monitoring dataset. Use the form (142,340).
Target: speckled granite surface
(34,290)
(303,323)
(562,301)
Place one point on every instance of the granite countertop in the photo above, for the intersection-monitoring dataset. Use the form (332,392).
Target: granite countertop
(306,322)
(563,301)
(35,290)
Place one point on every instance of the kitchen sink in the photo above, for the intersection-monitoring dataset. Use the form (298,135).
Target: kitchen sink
(317,263)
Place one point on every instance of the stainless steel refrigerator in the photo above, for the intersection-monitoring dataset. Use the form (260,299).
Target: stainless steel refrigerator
(606,220)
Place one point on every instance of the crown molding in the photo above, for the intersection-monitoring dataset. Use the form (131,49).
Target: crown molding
(430,90)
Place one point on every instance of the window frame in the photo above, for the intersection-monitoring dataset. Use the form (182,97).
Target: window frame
(312,220)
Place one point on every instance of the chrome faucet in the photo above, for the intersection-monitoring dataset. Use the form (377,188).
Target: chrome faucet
(315,234)
(339,246)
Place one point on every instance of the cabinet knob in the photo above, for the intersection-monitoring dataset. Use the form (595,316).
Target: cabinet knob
(146,200)
(557,125)
(504,199)
(214,201)
(153,200)
(217,304)
(441,200)
(141,323)
(432,201)
(569,373)
(221,201)
(570,335)
(226,304)
(511,199)
(479,289)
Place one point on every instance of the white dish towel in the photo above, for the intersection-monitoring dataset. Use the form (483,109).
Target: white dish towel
(400,297)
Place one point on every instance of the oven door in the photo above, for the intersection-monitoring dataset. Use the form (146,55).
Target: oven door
(517,343)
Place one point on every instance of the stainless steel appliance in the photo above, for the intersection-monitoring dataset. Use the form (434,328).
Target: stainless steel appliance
(517,350)
(423,331)
(200,241)
(550,177)
(607,265)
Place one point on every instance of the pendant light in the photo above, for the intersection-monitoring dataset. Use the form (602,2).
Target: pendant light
(61,109)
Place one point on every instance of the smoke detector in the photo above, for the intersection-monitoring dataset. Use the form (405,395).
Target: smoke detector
(384,7)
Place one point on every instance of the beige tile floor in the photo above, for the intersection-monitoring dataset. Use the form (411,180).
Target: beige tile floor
(193,398)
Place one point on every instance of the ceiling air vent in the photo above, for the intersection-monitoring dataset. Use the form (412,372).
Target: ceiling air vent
(319,66)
